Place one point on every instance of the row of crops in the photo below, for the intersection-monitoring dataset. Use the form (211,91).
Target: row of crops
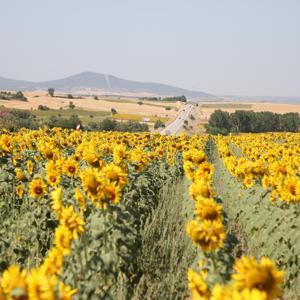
(73,208)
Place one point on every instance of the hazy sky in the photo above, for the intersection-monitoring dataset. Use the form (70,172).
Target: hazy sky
(245,47)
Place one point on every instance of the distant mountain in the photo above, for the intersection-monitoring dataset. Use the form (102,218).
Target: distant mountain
(90,82)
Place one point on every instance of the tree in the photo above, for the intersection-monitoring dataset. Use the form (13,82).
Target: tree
(20,96)
(71,105)
(51,92)
(113,111)
(219,122)
(290,122)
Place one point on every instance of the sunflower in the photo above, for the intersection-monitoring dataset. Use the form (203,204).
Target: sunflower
(263,276)
(119,154)
(91,182)
(56,201)
(227,293)
(220,292)
(70,167)
(40,286)
(197,286)
(208,209)
(6,142)
(62,239)
(53,263)
(13,278)
(198,157)
(114,174)
(20,175)
(248,181)
(290,190)
(205,170)
(139,159)
(20,190)
(66,292)
(37,188)
(200,188)
(209,235)
(79,198)
(189,169)
(111,193)
(30,167)
(72,221)
(53,177)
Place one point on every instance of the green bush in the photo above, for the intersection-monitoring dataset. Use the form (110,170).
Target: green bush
(43,107)
(159,124)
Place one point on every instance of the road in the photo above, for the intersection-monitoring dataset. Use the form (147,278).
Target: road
(176,126)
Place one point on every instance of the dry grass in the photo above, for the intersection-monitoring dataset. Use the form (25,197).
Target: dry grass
(105,104)
(204,110)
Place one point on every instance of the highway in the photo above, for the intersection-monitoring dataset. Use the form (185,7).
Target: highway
(176,126)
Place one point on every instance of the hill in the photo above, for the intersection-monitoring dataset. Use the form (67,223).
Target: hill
(95,83)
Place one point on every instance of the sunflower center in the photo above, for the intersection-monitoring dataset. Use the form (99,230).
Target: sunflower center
(210,213)
(292,189)
(38,190)
(261,280)
(53,178)
(72,169)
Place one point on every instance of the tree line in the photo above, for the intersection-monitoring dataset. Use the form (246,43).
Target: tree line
(12,96)
(166,99)
(14,120)
(222,122)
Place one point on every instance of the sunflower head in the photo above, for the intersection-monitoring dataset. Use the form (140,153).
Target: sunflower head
(198,286)
(209,235)
(37,188)
(263,276)
(208,209)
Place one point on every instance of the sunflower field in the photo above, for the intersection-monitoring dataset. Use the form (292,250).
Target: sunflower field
(110,215)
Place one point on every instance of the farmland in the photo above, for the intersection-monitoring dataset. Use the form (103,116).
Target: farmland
(101,215)
(87,106)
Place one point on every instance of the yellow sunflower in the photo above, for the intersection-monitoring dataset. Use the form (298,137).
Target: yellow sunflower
(20,175)
(263,276)
(41,286)
(30,167)
(91,182)
(198,286)
(13,278)
(114,174)
(201,188)
(53,177)
(70,167)
(62,239)
(20,190)
(208,209)
(66,292)
(53,263)
(37,188)
(72,221)
(209,235)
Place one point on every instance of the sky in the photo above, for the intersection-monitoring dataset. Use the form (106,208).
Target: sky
(223,47)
